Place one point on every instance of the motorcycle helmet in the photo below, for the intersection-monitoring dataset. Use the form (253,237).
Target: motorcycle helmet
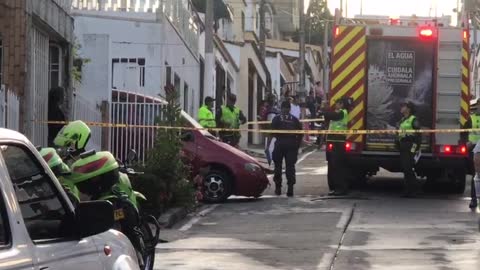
(54,161)
(95,173)
(75,134)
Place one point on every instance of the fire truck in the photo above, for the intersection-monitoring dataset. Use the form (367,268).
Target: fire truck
(381,66)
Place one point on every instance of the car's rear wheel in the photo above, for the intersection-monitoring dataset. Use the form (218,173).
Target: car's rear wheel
(217,186)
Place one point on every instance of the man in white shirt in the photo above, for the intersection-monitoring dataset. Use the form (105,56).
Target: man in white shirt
(295,108)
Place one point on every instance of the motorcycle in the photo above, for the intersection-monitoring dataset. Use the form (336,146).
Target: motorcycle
(61,171)
(100,176)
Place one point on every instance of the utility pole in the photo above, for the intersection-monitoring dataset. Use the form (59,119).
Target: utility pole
(209,56)
(263,51)
(361,7)
(301,65)
(341,8)
(346,8)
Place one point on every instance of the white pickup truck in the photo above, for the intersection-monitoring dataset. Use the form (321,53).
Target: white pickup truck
(39,227)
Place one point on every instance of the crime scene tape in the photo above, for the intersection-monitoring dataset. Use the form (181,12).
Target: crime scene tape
(310,132)
(269,122)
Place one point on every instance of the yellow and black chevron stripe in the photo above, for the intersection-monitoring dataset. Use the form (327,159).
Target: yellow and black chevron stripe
(348,73)
(465,101)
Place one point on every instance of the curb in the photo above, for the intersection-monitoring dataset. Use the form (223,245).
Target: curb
(172,216)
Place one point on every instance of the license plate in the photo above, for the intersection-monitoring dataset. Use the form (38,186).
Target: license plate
(118,214)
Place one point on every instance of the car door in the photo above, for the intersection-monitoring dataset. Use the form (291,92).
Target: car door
(48,218)
(15,251)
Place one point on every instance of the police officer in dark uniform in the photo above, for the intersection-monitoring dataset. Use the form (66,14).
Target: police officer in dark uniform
(408,145)
(337,171)
(286,147)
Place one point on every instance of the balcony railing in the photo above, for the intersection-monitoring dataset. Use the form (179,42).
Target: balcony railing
(180,13)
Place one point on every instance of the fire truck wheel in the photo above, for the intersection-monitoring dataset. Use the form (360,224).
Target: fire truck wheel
(358,179)
(458,181)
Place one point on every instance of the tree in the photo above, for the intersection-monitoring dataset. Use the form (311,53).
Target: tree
(165,182)
(317,14)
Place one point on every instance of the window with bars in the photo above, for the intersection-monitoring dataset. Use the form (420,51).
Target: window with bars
(55,66)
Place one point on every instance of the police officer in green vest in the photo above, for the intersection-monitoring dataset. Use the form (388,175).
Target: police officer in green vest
(206,118)
(471,138)
(408,145)
(230,116)
(337,171)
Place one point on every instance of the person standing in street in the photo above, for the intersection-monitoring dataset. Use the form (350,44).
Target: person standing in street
(295,108)
(206,118)
(319,92)
(337,172)
(286,147)
(471,139)
(408,145)
(231,117)
(312,108)
(56,98)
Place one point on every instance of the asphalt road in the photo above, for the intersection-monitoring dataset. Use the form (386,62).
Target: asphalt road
(374,228)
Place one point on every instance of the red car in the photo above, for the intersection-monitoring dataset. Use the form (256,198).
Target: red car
(230,171)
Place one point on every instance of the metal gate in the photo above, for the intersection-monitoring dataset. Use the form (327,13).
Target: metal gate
(133,109)
(9,109)
(38,96)
(86,111)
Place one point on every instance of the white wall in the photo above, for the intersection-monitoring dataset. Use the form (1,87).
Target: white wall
(96,75)
(273,64)
(143,38)
(250,16)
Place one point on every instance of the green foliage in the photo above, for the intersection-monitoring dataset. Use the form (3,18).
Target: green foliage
(317,16)
(165,182)
(78,63)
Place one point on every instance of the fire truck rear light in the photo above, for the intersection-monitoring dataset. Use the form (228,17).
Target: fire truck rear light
(447,149)
(465,34)
(426,32)
(348,147)
(337,31)
(462,150)
(330,147)
(394,21)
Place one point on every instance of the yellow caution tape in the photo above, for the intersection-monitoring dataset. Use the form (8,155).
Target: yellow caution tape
(269,122)
(311,132)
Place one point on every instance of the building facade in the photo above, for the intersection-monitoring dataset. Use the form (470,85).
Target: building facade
(36,38)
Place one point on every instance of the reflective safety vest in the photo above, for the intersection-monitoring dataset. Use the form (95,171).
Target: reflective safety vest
(231,119)
(406,124)
(206,117)
(474,137)
(341,124)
